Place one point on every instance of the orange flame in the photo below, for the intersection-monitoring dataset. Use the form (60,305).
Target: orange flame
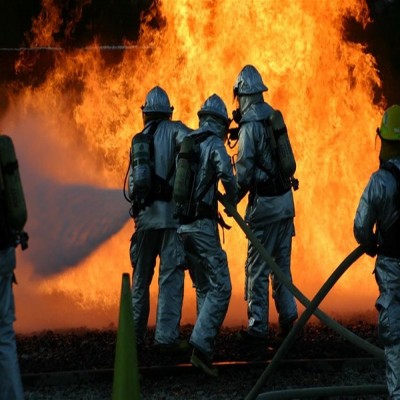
(322,84)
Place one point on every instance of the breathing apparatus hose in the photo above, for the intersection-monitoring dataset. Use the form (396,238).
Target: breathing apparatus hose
(311,307)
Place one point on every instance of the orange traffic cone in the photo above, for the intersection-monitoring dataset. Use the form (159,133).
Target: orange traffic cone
(126,371)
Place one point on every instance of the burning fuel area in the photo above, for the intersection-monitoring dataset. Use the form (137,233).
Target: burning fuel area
(71,94)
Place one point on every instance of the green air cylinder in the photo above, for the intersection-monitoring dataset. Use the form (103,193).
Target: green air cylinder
(285,154)
(184,173)
(11,186)
(141,166)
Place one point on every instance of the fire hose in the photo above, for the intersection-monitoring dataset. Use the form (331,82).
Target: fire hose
(311,306)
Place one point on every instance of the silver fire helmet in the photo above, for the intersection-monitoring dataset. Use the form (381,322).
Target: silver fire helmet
(157,101)
(248,82)
(214,105)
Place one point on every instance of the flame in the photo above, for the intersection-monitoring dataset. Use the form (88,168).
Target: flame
(323,85)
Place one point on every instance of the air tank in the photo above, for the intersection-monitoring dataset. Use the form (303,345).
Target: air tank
(183,178)
(11,186)
(284,149)
(141,166)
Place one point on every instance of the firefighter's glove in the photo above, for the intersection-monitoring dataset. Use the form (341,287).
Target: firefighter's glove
(371,249)
(226,210)
(134,211)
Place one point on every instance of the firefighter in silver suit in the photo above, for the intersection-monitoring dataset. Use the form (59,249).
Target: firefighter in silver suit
(269,213)
(377,228)
(199,232)
(155,233)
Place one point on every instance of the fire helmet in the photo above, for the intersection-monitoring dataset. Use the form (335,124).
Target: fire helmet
(248,82)
(214,105)
(157,101)
(390,125)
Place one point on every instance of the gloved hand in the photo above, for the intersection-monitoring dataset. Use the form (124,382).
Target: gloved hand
(371,249)
(227,212)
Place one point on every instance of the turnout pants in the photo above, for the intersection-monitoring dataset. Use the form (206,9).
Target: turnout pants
(387,275)
(146,246)
(277,241)
(10,378)
(210,274)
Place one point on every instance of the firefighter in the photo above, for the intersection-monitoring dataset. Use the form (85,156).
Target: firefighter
(155,232)
(377,228)
(199,231)
(11,194)
(270,209)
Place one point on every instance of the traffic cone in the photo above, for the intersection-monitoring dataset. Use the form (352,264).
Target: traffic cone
(126,371)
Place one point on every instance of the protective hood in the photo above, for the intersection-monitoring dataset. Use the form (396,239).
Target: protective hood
(210,123)
(245,102)
(256,112)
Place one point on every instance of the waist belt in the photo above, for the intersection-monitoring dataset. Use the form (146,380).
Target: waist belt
(390,246)
(197,211)
(387,253)
(270,189)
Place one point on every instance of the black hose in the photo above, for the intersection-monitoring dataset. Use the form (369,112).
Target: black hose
(358,390)
(350,336)
(290,339)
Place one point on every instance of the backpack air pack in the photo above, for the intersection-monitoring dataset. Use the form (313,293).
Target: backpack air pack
(390,239)
(283,150)
(13,212)
(186,171)
(147,185)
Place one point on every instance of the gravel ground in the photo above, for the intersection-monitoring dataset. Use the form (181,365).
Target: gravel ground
(93,350)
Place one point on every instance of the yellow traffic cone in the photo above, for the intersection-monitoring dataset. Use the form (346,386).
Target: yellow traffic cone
(126,371)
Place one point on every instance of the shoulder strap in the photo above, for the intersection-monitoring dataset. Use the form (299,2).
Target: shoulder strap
(200,138)
(393,169)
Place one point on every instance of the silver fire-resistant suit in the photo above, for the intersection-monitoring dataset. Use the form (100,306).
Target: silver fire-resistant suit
(207,259)
(379,205)
(270,217)
(156,234)
(10,378)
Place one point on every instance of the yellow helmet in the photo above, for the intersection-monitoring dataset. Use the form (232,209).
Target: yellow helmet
(390,125)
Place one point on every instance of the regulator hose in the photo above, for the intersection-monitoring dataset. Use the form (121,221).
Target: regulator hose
(350,336)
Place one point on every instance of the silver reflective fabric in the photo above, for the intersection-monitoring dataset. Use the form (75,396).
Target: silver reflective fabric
(145,247)
(378,206)
(10,378)
(270,218)
(392,354)
(157,101)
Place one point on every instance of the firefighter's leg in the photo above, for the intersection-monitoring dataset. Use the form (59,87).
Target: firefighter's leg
(144,251)
(170,283)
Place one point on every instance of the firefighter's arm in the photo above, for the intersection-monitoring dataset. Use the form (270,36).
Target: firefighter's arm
(224,170)
(245,162)
(366,217)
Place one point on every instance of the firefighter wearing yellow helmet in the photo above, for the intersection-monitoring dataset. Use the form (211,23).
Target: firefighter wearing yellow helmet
(377,228)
